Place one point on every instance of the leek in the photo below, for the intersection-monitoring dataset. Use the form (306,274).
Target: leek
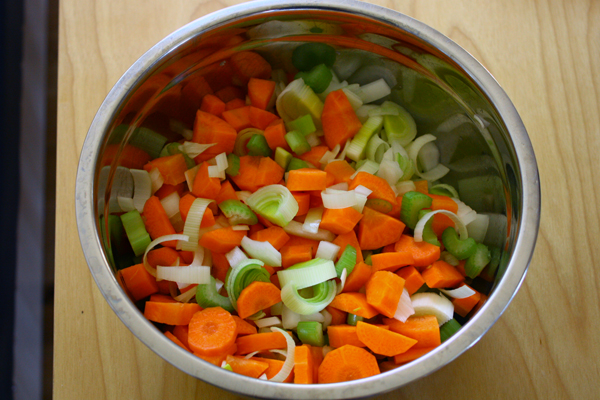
(283,157)
(420,227)
(263,251)
(308,273)
(142,138)
(136,231)
(295,228)
(142,188)
(358,145)
(399,128)
(258,146)
(298,99)
(412,203)
(235,257)
(327,250)
(297,142)
(190,274)
(192,149)
(443,189)
(311,333)
(347,261)
(192,224)
(449,329)
(323,294)
(318,78)
(428,235)
(242,275)
(288,365)
(173,148)
(367,166)
(240,148)
(376,148)
(313,220)
(477,261)
(433,304)
(238,213)
(373,91)
(434,174)
(274,203)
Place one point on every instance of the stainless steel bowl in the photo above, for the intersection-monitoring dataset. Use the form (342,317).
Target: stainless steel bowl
(449,93)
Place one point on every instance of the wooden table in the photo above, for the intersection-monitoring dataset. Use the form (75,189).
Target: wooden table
(545,54)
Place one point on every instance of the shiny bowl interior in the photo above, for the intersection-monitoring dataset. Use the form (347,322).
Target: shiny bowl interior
(480,135)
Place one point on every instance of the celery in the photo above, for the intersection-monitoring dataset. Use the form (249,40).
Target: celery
(429,235)
(347,261)
(318,78)
(233,165)
(449,329)
(358,145)
(303,124)
(238,213)
(412,203)
(142,138)
(282,157)
(477,261)
(352,319)
(297,142)
(227,367)
(296,163)
(240,148)
(258,146)
(311,332)
(461,249)
(298,99)
(308,55)
(136,231)
(207,296)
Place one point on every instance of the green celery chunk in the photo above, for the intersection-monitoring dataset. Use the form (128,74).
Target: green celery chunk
(258,146)
(311,332)
(307,56)
(282,157)
(352,319)
(296,163)
(412,203)
(238,213)
(347,261)
(136,231)
(477,261)
(297,142)
(318,78)
(461,249)
(207,296)
(304,124)
(449,329)
(142,138)
(233,167)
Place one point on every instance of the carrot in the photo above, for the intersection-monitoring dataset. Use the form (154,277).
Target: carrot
(260,92)
(260,341)
(443,203)
(314,155)
(139,282)
(212,331)
(423,253)
(256,297)
(464,306)
(275,367)
(220,266)
(156,221)
(227,192)
(274,235)
(461,268)
(358,277)
(256,172)
(130,157)
(170,313)
(233,104)
(396,207)
(229,93)
(338,317)
(317,355)
(442,275)
(238,118)
(412,279)
(347,363)
(354,303)
(167,189)
(382,341)
(422,186)
(341,335)
(162,298)
(376,230)
(340,221)
(341,171)
(411,354)
(307,179)
(164,256)
(349,239)
(339,120)
(261,119)
(304,365)
(222,240)
(247,64)
(391,261)
(211,129)
(381,189)
(213,105)
(208,219)
(269,172)
(254,229)
(244,327)
(383,292)
(215,360)
(424,329)
(440,223)
(181,333)
(176,340)
(247,367)
(275,135)
(294,254)
(204,186)
(303,200)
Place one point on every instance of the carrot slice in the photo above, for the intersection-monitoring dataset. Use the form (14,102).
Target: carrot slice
(347,363)
(412,279)
(382,341)
(248,64)
(164,256)
(176,340)
(274,235)
(227,192)
(340,221)
(212,105)
(212,331)
(212,129)
(339,120)
(307,179)
(244,327)
(294,254)
(130,157)
(391,261)
(423,253)
(260,341)
(442,275)
(274,368)
(376,230)
(204,186)
(424,329)
(354,303)
(341,335)
(170,313)
(260,92)
(238,118)
(162,298)
(234,103)
(422,186)
(383,292)
(341,171)
(229,93)
(172,168)
(181,333)
(248,367)
(411,354)
(317,355)
(261,119)
(222,240)
(349,239)
(303,200)
(358,277)
(139,282)
(275,135)
(381,189)
(304,365)
(314,155)
(157,222)
(338,317)
(256,297)
(464,306)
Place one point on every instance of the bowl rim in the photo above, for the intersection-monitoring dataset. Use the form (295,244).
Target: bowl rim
(472,331)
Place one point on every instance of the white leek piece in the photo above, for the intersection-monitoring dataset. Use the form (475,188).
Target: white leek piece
(170,204)
(221,161)
(358,145)
(433,304)
(243,195)
(376,148)
(405,186)
(308,274)
(295,228)
(268,322)
(465,213)
(142,188)
(313,139)
(330,155)
(156,179)
(390,171)
(193,149)
(327,250)
(363,112)
(190,175)
(327,318)
(298,99)
(459,293)
(342,282)
(432,175)
(462,229)
(214,172)
(365,191)
(192,224)
(353,98)
(338,186)
(405,308)
(429,156)
(189,274)
(289,318)
(478,227)
(288,365)
(126,203)
(324,294)
(374,91)
(235,257)
(156,242)
(361,200)
(275,203)
(263,251)
(313,220)
(339,199)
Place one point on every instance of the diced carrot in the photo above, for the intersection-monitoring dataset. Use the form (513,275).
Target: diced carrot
(164,256)
(340,221)
(172,168)
(338,317)
(411,354)
(170,313)
(212,105)
(229,93)
(303,200)
(238,118)
(297,240)
(305,179)
(341,335)
(442,275)
(220,266)
(212,331)
(176,340)
(181,333)
(157,222)
(358,277)
(380,187)
(227,192)
(130,157)
(391,261)
(248,367)
(269,172)
(274,368)
(440,223)
(339,120)
(423,253)
(261,119)
(412,279)
(256,297)
(383,291)
(254,229)
(314,155)
(354,303)
(244,327)
(443,203)
(376,230)
(233,104)
(294,254)
(222,240)
(464,306)
(341,171)
(383,341)
(162,298)
(260,341)
(349,239)
(139,282)
(347,363)
(256,172)
(274,235)
(212,129)
(167,189)
(275,135)
(424,329)
(261,92)
(303,365)
(204,186)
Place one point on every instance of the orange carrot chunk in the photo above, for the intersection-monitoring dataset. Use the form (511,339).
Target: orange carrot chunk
(222,240)
(340,122)
(307,179)
(341,171)
(139,282)
(212,105)
(274,368)
(358,277)
(303,365)
(176,340)
(274,235)
(411,354)
(412,279)
(256,297)
(442,275)
(208,129)
(212,331)
(391,261)
(382,341)
(204,186)
(260,341)
(260,92)
(347,363)
(464,306)
(157,222)
(376,230)
(340,221)
(275,135)
(172,168)
(244,327)
(383,292)
(349,239)
(354,303)
(170,313)
(423,253)
(248,367)
(424,329)
(381,189)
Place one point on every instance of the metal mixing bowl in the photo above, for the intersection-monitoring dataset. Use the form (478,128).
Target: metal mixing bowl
(480,135)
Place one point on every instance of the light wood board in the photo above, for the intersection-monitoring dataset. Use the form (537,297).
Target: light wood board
(545,54)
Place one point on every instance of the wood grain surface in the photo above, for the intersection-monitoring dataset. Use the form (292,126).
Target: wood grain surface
(545,54)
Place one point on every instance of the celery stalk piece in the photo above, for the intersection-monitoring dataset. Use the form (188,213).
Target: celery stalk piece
(352,319)
(282,157)
(449,329)
(240,148)
(347,261)
(258,146)
(238,213)
(318,78)
(142,138)
(461,249)
(297,142)
(233,165)
(311,332)
(358,145)
(399,128)
(298,99)
(136,231)
(296,163)
(303,124)
(275,203)
(477,261)
(412,203)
